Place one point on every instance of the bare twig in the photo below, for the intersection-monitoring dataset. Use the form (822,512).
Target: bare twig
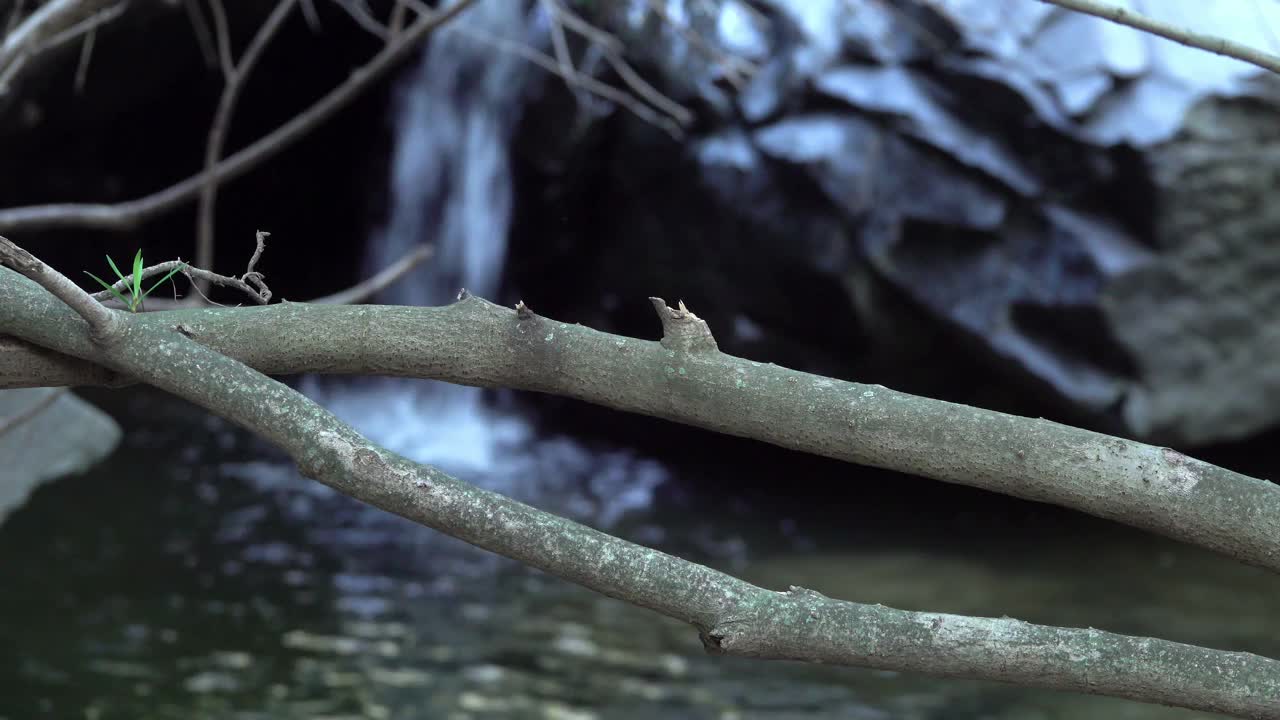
(1184,36)
(39,406)
(237,76)
(388,276)
(82,67)
(736,70)
(312,18)
(127,215)
(86,26)
(558,41)
(14,13)
(564,69)
(360,13)
(396,22)
(251,282)
(49,26)
(200,28)
(612,49)
(577,79)
(222,36)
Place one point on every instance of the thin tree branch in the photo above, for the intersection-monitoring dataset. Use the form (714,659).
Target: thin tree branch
(736,70)
(252,282)
(82,66)
(310,15)
(388,276)
(49,25)
(395,24)
(611,47)
(477,343)
(222,39)
(237,76)
(129,214)
(200,28)
(732,617)
(673,122)
(577,79)
(86,26)
(559,42)
(1184,36)
(360,13)
(14,13)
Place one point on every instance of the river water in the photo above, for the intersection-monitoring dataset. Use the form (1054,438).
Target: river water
(195,574)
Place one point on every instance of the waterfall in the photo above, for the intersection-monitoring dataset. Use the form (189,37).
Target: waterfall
(451,180)
(451,186)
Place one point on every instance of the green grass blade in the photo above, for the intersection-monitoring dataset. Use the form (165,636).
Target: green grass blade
(112,263)
(137,273)
(110,289)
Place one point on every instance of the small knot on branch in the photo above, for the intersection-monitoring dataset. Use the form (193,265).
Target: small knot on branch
(682,330)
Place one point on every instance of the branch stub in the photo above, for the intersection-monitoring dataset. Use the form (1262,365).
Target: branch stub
(682,330)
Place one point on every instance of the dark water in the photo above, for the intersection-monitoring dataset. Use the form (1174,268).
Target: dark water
(195,575)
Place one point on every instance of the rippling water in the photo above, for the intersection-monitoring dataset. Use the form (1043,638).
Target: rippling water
(196,575)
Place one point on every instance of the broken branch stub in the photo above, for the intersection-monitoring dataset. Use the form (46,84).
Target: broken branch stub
(682,331)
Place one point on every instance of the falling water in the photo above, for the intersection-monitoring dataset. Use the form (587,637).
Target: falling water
(451,186)
(451,180)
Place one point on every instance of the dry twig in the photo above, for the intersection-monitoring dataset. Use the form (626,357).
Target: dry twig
(237,75)
(1169,31)
(127,215)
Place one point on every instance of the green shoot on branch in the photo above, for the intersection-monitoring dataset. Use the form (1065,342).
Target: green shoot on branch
(133,282)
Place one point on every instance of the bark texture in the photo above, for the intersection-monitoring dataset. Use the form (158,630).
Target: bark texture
(474,342)
(175,352)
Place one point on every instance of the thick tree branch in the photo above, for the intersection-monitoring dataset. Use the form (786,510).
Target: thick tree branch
(1184,36)
(478,343)
(101,320)
(732,616)
(127,215)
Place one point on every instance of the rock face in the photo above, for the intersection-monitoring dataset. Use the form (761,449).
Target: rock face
(1061,200)
(66,437)
(1200,319)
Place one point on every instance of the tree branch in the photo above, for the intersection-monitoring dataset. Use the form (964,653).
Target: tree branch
(388,276)
(48,26)
(252,282)
(102,322)
(1184,36)
(237,76)
(127,215)
(733,617)
(687,381)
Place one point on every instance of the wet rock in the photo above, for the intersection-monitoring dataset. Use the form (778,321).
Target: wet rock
(66,437)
